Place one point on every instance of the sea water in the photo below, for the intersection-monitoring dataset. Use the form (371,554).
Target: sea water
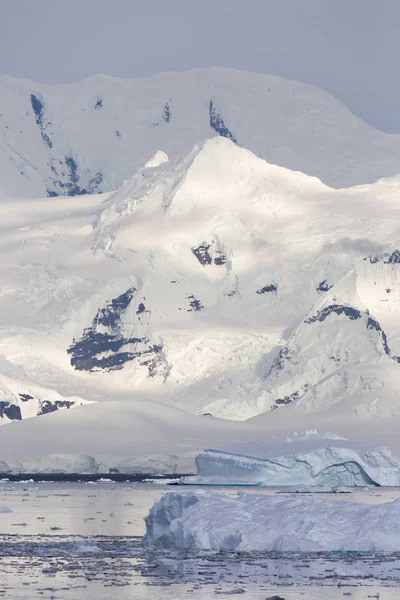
(83,541)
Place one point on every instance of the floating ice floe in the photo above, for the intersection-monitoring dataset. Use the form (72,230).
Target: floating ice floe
(210,521)
(308,459)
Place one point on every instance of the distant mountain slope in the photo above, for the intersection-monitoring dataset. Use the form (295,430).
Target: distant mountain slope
(88,137)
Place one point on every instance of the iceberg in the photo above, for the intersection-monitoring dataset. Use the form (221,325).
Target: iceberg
(307,459)
(201,520)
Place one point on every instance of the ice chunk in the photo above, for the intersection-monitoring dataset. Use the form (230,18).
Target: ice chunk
(5,509)
(250,522)
(309,459)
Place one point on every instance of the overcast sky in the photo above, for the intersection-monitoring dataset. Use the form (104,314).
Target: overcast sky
(351,48)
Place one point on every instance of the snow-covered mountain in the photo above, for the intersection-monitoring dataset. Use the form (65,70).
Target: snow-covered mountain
(88,137)
(347,345)
(210,283)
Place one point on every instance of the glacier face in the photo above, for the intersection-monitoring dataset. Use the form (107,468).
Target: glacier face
(88,137)
(250,522)
(308,459)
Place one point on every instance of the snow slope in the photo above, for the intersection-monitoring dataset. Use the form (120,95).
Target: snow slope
(186,288)
(250,522)
(19,400)
(310,459)
(92,135)
(131,435)
(347,344)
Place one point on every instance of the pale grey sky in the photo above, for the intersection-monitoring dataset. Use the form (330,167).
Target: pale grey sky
(351,48)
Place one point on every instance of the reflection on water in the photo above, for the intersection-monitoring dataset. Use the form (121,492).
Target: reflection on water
(75,541)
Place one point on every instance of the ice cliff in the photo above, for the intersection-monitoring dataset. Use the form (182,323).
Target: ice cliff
(305,459)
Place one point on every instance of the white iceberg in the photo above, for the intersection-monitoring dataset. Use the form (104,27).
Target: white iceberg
(250,522)
(308,459)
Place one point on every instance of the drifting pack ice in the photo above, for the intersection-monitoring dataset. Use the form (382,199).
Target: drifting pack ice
(210,521)
(309,459)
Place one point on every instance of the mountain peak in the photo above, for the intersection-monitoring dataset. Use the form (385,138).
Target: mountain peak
(90,136)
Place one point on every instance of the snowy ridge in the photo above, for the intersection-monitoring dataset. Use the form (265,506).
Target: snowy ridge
(19,400)
(209,521)
(355,323)
(88,137)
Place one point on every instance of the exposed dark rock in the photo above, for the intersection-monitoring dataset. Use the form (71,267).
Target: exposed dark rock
(280,361)
(220,259)
(373,324)
(323,286)
(25,397)
(292,397)
(74,189)
(110,350)
(99,103)
(11,411)
(166,116)
(37,107)
(117,133)
(217,123)
(110,316)
(349,312)
(65,182)
(154,364)
(287,399)
(73,169)
(85,352)
(68,180)
(202,254)
(167,113)
(195,304)
(47,140)
(267,288)
(393,258)
(47,406)
(141,309)
(94,183)
(387,259)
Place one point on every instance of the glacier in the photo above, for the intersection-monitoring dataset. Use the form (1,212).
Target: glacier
(308,459)
(202,520)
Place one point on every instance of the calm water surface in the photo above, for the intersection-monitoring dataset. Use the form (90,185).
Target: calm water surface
(82,541)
